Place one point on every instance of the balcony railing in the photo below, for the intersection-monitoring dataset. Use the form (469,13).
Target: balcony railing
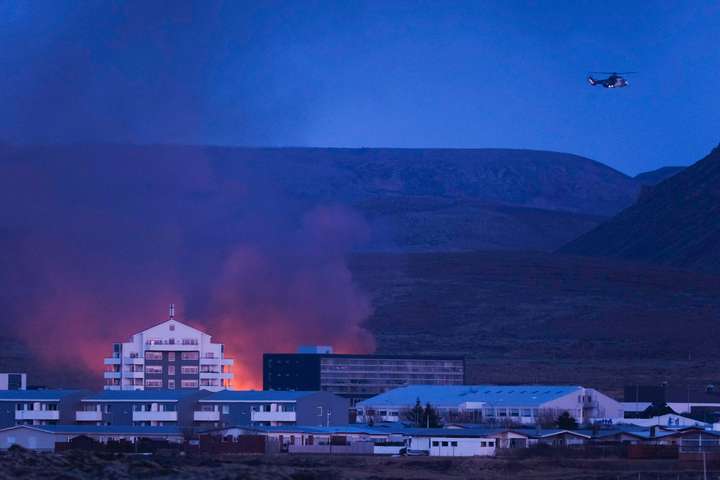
(88,416)
(111,361)
(272,416)
(37,415)
(210,416)
(112,374)
(155,416)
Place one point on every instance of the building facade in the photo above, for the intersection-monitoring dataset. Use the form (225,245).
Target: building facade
(171,356)
(144,408)
(492,404)
(38,407)
(13,381)
(357,377)
(271,408)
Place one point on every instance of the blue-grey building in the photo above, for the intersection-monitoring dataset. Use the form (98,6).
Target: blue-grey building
(252,407)
(38,407)
(139,407)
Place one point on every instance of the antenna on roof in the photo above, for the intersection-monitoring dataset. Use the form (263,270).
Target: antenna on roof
(172,311)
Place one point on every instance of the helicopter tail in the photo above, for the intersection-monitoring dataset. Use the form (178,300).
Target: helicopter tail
(591,81)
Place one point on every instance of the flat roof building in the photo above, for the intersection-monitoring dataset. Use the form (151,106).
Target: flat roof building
(358,377)
(489,404)
(170,355)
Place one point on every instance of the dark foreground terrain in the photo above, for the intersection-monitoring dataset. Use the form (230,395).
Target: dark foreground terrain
(82,465)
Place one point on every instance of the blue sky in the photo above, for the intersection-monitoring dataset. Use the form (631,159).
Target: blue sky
(390,73)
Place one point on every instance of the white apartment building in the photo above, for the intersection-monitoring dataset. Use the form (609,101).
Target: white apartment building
(170,355)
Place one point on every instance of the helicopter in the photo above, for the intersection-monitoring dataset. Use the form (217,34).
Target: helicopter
(615,80)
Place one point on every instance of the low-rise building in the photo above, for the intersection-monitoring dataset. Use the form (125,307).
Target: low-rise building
(272,408)
(13,381)
(38,407)
(700,402)
(139,408)
(491,404)
(44,437)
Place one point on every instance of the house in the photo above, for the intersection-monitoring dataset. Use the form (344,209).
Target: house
(44,437)
(38,407)
(139,407)
(271,408)
(491,404)
(170,355)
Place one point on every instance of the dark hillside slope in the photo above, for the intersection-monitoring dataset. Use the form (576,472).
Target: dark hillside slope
(654,177)
(413,199)
(547,318)
(676,223)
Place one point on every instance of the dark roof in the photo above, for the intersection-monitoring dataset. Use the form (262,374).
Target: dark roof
(256,395)
(372,355)
(142,395)
(22,395)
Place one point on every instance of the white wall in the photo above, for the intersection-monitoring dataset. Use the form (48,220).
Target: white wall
(454,446)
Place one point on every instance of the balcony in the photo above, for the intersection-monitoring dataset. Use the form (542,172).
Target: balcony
(272,416)
(202,416)
(88,416)
(112,374)
(154,416)
(37,415)
(134,360)
(133,374)
(112,361)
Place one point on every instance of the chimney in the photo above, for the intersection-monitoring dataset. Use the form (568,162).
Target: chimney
(172,311)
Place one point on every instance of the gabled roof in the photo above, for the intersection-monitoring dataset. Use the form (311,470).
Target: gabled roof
(453,395)
(101,429)
(141,395)
(257,396)
(37,395)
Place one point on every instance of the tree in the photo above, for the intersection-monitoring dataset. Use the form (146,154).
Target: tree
(420,417)
(566,422)
(415,414)
(431,417)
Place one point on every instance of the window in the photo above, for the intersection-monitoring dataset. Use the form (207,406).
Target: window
(172,327)
(190,356)
(51,406)
(171,356)
(167,407)
(226,408)
(483,444)
(186,370)
(153,369)
(171,369)
(171,384)
(444,444)
(491,444)
(153,355)
(526,412)
(142,407)
(514,412)
(501,412)
(436,443)
(189,384)
(153,383)
(107,408)
(453,444)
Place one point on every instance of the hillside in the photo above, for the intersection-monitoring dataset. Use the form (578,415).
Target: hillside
(675,223)
(653,177)
(523,317)
(413,199)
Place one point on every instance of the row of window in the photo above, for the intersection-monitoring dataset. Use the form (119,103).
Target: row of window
(172,341)
(158,383)
(30,406)
(147,407)
(152,355)
(185,370)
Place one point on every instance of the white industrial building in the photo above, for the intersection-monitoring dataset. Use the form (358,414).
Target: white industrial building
(170,355)
(491,404)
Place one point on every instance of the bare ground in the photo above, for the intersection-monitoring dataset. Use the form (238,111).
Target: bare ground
(84,465)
